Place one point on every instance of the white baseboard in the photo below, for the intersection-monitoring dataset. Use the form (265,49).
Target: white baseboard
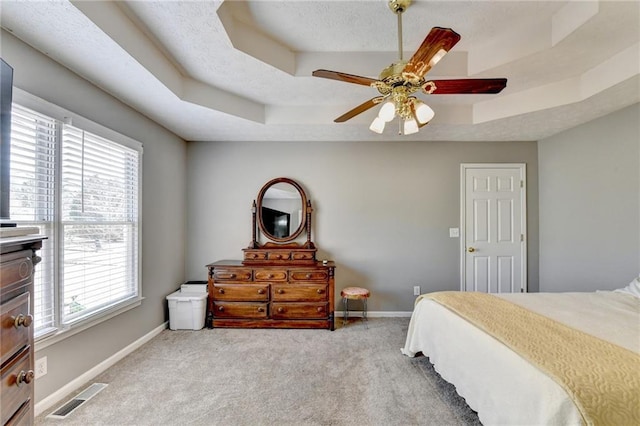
(84,378)
(376,314)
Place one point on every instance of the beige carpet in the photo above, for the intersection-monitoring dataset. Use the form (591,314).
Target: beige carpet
(351,376)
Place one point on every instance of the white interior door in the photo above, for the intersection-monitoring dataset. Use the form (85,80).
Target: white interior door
(493,228)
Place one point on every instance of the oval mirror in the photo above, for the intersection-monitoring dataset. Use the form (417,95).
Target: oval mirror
(281,209)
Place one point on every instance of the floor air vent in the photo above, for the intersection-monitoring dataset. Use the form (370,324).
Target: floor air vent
(79,399)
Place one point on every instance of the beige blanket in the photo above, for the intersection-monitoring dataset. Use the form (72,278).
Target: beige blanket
(602,378)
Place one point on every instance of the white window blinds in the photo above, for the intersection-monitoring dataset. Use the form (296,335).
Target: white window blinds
(99,223)
(82,190)
(32,198)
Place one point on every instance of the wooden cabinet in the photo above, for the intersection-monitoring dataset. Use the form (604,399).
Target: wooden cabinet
(278,284)
(17,259)
(271,295)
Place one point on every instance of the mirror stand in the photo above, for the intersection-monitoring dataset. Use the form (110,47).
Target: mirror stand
(281,248)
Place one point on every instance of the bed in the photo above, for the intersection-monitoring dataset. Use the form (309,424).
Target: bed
(504,383)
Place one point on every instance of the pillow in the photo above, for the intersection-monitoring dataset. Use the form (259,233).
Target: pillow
(633,288)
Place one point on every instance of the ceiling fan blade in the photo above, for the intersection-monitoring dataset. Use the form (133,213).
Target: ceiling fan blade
(349,78)
(359,109)
(438,42)
(469,85)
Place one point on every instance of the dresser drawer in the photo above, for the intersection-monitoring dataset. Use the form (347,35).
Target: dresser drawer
(270,275)
(255,255)
(16,272)
(15,394)
(14,338)
(241,292)
(279,255)
(22,417)
(308,275)
(232,274)
(239,310)
(301,255)
(298,310)
(299,293)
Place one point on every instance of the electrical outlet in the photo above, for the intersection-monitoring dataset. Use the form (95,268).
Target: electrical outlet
(41,367)
(416,290)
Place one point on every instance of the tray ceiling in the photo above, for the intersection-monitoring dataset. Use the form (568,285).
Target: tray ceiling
(241,70)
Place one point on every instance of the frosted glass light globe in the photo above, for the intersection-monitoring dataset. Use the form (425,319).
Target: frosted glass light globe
(387,112)
(424,113)
(377,125)
(410,126)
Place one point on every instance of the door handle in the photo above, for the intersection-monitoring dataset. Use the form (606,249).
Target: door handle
(471,249)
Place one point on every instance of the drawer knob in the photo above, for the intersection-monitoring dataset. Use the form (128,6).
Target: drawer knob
(25,377)
(319,309)
(280,310)
(221,290)
(254,255)
(220,308)
(260,309)
(270,276)
(261,291)
(278,256)
(320,291)
(280,291)
(232,275)
(308,276)
(22,320)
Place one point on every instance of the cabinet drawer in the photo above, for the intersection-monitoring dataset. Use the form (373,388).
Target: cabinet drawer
(14,394)
(14,338)
(16,272)
(21,418)
(232,274)
(299,293)
(278,255)
(241,292)
(309,275)
(270,275)
(301,255)
(255,255)
(239,310)
(298,310)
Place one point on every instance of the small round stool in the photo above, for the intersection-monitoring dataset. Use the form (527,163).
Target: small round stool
(354,293)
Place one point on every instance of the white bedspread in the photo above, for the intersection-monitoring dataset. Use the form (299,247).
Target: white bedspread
(496,382)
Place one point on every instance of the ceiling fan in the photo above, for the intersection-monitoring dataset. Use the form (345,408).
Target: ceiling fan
(399,81)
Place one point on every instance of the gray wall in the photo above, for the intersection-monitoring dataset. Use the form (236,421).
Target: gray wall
(163,211)
(590,204)
(382,210)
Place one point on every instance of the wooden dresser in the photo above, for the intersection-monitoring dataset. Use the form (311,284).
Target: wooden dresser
(17,259)
(277,295)
(280,283)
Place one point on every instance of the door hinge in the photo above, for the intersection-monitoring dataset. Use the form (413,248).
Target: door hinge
(521,237)
(521,184)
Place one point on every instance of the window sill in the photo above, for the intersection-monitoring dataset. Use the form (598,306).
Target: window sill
(60,334)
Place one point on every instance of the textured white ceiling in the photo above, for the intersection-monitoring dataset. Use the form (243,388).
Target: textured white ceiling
(236,70)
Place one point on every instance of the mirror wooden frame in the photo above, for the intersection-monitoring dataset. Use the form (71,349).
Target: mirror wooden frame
(281,250)
(303,206)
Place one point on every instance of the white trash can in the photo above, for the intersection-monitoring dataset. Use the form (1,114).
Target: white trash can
(187,309)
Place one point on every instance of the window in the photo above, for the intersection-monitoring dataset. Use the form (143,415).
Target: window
(82,190)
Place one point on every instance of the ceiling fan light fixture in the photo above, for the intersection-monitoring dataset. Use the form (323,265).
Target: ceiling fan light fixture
(398,82)
(410,127)
(436,58)
(387,112)
(424,113)
(377,125)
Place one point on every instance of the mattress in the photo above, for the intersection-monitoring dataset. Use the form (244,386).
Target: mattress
(498,383)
